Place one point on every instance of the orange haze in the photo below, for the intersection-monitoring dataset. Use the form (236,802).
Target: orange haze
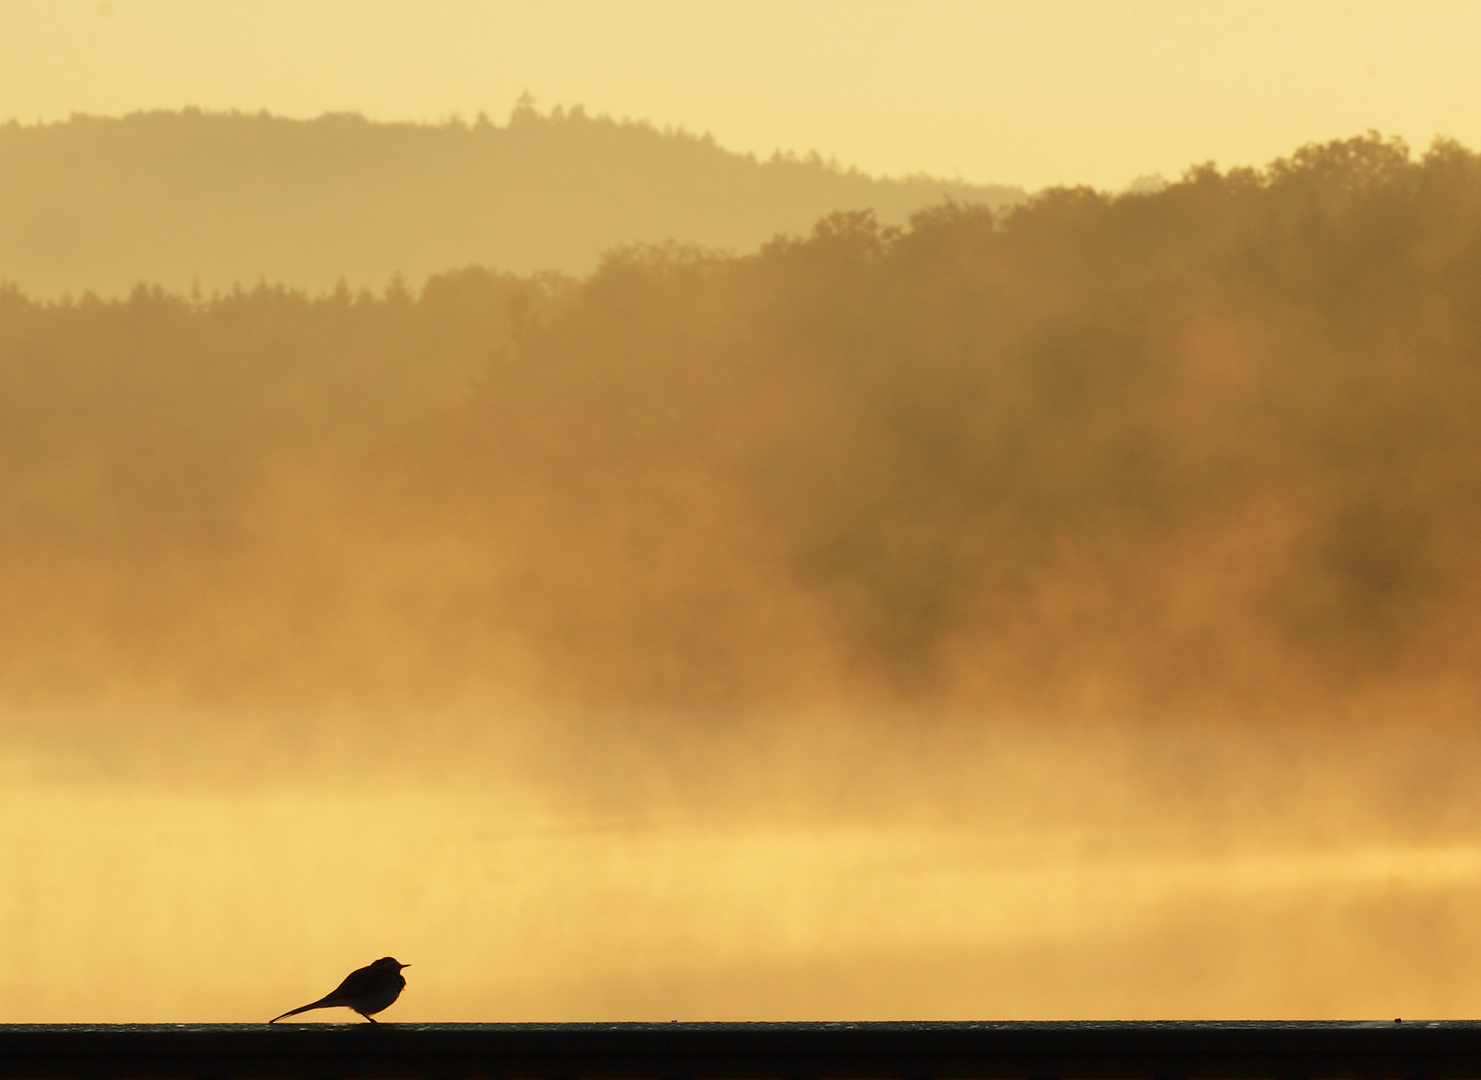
(1057,610)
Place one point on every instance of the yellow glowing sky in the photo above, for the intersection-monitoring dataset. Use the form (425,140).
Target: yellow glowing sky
(1031,93)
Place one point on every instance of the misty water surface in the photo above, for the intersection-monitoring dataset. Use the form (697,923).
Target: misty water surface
(1080,874)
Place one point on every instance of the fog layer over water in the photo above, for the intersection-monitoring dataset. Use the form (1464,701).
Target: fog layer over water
(1026,870)
(1063,613)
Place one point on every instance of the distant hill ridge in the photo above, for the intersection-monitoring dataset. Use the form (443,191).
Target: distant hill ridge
(198,199)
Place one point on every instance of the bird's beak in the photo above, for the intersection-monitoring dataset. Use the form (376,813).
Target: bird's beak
(403,965)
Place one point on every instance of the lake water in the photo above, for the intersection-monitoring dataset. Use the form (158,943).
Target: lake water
(131,895)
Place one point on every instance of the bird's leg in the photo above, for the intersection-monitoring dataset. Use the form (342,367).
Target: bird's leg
(372,1019)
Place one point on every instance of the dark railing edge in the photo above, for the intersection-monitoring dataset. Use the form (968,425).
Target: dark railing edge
(838,1050)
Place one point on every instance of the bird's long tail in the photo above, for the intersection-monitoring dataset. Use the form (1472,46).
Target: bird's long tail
(322,1003)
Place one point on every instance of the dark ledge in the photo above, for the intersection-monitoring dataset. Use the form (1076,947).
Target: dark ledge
(872,1051)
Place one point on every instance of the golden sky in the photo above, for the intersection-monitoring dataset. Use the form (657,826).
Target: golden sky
(1053,91)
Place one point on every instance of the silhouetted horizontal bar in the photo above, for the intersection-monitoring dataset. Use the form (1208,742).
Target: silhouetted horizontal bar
(926,1051)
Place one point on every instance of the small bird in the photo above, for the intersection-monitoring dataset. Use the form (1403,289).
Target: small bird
(366,990)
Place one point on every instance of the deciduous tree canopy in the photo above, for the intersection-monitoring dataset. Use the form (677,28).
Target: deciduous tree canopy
(1208,447)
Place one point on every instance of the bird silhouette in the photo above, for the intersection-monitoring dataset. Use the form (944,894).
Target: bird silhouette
(366,990)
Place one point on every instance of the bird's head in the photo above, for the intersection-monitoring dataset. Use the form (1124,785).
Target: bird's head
(390,962)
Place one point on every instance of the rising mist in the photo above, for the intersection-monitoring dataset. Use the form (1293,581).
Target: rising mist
(1210,448)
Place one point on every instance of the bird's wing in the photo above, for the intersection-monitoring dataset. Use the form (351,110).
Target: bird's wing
(357,982)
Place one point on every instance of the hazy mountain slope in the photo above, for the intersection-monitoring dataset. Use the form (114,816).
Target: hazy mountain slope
(214,199)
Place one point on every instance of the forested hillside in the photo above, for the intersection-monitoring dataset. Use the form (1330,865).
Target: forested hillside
(1211,448)
(209,200)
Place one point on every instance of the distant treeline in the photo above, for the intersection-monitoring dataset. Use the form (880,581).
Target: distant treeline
(206,200)
(1210,448)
